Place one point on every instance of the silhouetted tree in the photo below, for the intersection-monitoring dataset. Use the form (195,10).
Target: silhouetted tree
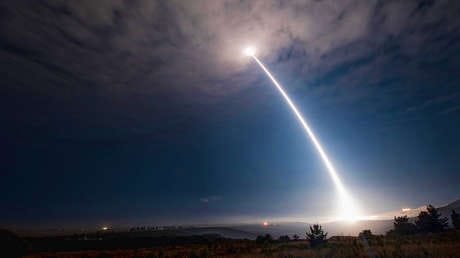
(402,226)
(296,237)
(430,220)
(455,219)
(365,234)
(316,236)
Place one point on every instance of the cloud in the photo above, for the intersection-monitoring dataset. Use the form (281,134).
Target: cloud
(185,46)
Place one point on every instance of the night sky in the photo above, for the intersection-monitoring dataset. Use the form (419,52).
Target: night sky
(144,112)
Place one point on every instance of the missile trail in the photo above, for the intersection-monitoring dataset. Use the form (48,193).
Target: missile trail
(329,166)
(348,209)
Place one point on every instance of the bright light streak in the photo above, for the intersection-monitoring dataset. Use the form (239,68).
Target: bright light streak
(406,209)
(348,208)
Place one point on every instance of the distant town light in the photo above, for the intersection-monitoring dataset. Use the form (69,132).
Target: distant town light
(265,223)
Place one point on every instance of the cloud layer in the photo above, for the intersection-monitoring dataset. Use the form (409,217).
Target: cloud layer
(195,45)
(379,55)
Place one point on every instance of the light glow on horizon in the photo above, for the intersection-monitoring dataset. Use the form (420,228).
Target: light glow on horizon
(348,209)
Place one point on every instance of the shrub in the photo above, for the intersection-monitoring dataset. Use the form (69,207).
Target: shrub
(267,238)
(316,237)
(366,234)
(402,226)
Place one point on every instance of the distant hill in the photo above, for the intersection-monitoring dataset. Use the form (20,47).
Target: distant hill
(225,232)
(446,210)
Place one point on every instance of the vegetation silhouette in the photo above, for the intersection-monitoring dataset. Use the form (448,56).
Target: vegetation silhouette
(265,239)
(284,238)
(316,236)
(402,226)
(431,221)
(367,234)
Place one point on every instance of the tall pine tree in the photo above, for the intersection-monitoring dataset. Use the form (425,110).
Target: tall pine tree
(430,220)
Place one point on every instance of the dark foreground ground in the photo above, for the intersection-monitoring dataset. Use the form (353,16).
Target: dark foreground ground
(446,244)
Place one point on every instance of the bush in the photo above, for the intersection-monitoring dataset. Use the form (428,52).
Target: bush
(366,234)
(316,237)
(267,238)
(402,226)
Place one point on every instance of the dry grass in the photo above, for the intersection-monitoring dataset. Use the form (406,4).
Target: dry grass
(434,245)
